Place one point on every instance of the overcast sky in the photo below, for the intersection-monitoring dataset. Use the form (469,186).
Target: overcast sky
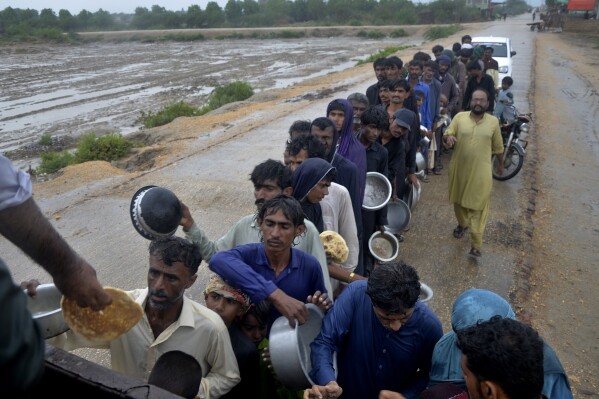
(112,6)
(116,6)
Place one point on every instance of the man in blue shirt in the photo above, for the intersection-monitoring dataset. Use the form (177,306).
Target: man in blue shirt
(273,270)
(383,336)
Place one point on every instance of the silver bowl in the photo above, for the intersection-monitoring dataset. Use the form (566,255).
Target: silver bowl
(290,348)
(398,216)
(377,192)
(45,309)
(383,246)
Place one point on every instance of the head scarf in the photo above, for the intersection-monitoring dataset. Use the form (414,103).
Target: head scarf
(469,308)
(218,285)
(349,146)
(305,178)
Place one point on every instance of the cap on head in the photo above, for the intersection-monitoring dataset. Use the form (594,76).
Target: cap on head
(404,118)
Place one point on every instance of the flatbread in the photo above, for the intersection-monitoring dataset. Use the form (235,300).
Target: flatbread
(335,247)
(104,325)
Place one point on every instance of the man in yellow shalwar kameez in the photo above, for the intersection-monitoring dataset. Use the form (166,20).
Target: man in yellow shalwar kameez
(476,136)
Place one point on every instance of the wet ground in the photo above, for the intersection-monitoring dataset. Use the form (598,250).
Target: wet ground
(540,244)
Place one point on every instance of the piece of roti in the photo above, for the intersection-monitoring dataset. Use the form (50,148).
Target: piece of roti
(335,247)
(104,325)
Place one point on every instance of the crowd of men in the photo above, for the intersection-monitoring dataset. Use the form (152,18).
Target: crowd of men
(387,343)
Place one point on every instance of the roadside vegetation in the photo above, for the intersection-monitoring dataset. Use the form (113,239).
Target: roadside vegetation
(232,92)
(440,32)
(60,26)
(387,51)
(90,148)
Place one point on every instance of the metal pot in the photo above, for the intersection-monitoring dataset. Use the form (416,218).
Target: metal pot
(45,309)
(377,192)
(383,246)
(290,348)
(398,216)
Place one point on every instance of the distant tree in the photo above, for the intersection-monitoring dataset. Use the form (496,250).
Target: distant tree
(233,11)
(195,17)
(101,20)
(142,18)
(48,19)
(214,15)
(66,21)
(315,10)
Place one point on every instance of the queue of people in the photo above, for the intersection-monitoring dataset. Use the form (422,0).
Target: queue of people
(388,344)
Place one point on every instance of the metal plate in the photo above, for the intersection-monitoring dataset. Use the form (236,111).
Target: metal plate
(398,216)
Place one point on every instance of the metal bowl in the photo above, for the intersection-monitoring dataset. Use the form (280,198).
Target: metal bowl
(398,216)
(426,293)
(290,348)
(420,162)
(383,246)
(45,308)
(377,192)
(155,212)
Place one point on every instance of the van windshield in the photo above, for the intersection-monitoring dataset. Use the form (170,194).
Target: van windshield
(499,49)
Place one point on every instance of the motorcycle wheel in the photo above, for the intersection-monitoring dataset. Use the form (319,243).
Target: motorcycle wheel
(512,163)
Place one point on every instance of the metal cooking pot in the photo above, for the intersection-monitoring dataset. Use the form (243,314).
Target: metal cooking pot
(290,348)
(383,246)
(398,216)
(45,308)
(377,192)
(420,162)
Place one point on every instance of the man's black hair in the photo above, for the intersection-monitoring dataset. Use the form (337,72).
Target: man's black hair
(323,123)
(394,60)
(456,47)
(507,80)
(506,352)
(271,170)
(379,62)
(466,37)
(395,83)
(393,287)
(290,207)
(422,56)
(358,98)
(437,49)
(260,310)
(176,249)
(375,116)
(311,144)
(300,126)
(474,65)
(432,64)
(177,372)
(416,62)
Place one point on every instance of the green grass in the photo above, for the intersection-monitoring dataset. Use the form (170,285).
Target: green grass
(387,51)
(90,148)
(399,33)
(168,114)
(46,139)
(440,32)
(235,91)
(371,34)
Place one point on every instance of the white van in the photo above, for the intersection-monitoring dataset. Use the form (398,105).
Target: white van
(502,52)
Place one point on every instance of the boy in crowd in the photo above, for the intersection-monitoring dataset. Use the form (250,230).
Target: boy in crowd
(505,97)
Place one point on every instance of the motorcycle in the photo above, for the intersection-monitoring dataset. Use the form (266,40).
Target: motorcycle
(512,125)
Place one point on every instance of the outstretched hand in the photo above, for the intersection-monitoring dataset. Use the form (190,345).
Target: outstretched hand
(321,300)
(83,286)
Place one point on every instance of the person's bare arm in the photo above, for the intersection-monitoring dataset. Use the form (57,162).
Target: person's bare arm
(26,227)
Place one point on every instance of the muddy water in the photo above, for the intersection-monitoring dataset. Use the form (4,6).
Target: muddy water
(71,90)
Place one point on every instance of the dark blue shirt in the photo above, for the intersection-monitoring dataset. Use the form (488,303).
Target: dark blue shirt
(246,268)
(370,357)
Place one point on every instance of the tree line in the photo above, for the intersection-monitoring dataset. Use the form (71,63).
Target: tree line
(247,13)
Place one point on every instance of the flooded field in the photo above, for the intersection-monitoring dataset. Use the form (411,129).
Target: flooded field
(68,90)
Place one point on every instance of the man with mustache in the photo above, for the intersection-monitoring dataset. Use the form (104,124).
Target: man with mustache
(273,270)
(171,321)
(475,136)
(270,178)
